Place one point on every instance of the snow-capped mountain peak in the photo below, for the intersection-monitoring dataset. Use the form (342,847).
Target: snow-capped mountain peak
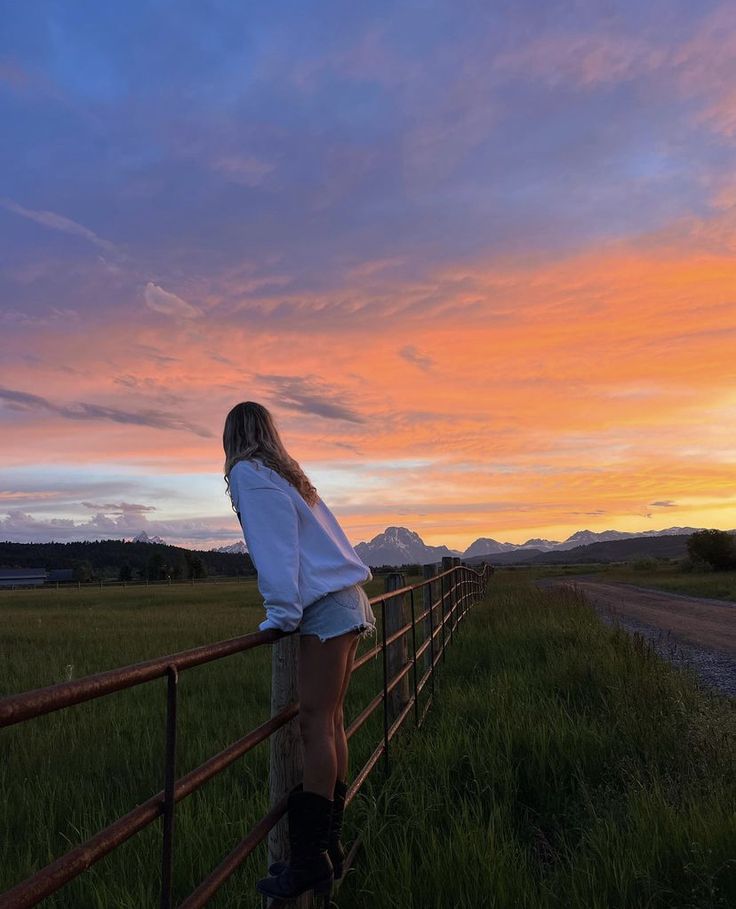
(400,546)
(238,548)
(538,543)
(143,537)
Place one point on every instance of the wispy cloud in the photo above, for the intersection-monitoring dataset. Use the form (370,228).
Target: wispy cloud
(347,446)
(412,355)
(244,169)
(156,354)
(375,267)
(61,223)
(168,304)
(20,400)
(584,58)
(310,394)
(702,66)
(119,508)
(705,68)
(14,495)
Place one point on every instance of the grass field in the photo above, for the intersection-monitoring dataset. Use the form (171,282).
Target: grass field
(563,765)
(656,573)
(66,775)
(720,585)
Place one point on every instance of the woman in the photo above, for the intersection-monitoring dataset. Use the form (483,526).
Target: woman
(310,577)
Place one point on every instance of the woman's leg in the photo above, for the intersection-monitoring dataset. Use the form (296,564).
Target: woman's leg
(341,742)
(321,676)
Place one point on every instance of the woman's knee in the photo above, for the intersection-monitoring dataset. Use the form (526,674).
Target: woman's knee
(315,723)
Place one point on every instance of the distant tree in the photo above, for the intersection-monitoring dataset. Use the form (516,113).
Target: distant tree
(107,556)
(195,566)
(82,570)
(716,547)
(126,572)
(155,567)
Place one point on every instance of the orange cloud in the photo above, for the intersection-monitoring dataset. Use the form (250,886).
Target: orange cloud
(533,398)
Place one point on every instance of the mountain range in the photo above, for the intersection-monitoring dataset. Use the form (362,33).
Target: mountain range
(238,548)
(401,546)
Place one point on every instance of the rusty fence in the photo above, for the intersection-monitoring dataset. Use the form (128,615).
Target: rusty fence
(446,596)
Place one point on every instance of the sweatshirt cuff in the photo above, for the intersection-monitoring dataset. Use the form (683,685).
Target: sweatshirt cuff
(268,624)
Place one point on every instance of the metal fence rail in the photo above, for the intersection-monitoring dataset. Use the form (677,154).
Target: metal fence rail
(460,587)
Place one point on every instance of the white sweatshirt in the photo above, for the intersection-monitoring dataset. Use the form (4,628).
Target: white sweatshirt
(299,551)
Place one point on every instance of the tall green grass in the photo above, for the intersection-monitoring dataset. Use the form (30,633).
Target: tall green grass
(719,585)
(564,765)
(65,776)
(660,574)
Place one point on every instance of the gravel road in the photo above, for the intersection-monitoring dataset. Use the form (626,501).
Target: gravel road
(688,631)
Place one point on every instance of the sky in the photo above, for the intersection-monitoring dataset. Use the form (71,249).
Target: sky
(479,259)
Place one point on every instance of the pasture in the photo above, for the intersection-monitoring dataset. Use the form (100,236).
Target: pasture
(659,574)
(719,585)
(562,765)
(565,766)
(66,775)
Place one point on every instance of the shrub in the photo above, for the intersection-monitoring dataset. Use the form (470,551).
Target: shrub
(648,563)
(715,547)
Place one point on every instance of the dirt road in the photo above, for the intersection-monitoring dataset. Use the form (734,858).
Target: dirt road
(703,622)
(704,629)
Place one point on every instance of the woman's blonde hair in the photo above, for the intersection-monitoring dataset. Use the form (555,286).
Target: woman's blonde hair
(250,432)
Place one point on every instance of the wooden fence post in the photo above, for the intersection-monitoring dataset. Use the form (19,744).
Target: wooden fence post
(462,578)
(398,652)
(456,561)
(429,571)
(285,745)
(447,563)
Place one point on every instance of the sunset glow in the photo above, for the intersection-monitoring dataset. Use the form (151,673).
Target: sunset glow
(481,265)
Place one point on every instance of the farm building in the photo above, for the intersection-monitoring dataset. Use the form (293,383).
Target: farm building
(22,577)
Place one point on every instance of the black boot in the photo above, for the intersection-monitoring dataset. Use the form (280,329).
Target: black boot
(335,849)
(309,865)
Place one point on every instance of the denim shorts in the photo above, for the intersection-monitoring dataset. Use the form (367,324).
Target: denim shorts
(339,612)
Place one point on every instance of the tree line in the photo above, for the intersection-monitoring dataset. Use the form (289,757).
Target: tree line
(118,560)
(714,549)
